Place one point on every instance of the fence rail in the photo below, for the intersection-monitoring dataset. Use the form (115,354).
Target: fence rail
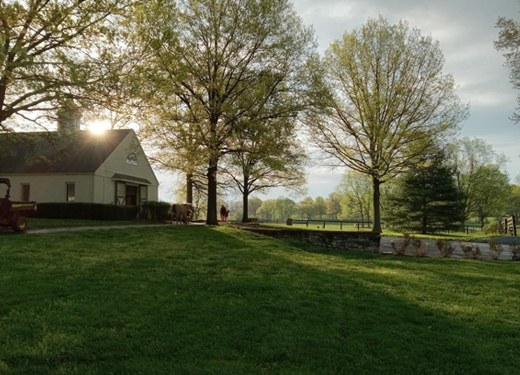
(349,223)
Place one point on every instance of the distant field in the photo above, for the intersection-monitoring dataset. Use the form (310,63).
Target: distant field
(198,301)
(479,235)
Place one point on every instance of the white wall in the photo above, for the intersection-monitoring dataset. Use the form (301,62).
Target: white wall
(104,186)
(50,187)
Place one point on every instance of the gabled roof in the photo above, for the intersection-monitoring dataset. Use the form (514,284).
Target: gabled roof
(53,152)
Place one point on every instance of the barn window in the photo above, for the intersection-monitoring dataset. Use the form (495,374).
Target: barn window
(71,192)
(26,192)
(132,159)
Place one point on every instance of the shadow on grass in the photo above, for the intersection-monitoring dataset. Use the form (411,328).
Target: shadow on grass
(198,300)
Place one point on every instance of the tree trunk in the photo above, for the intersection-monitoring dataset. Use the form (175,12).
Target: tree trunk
(245,202)
(211,217)
(189,188)
(377,206)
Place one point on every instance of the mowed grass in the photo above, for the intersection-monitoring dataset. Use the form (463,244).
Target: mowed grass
(37,223)
(199,300)
(455,236)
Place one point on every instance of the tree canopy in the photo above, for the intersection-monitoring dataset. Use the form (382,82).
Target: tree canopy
(51,51)
(509,43)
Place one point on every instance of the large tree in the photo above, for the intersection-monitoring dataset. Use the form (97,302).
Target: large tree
(509,43)
(491,194)
(254,204)
(472,159)
(306,208)
(267,210)
(225,61)
(51,50)
(320,207)
(333,203)
(285,208)
(389,102)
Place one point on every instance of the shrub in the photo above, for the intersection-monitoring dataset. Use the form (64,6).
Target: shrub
(475,252)
(493,228)
(157,211)
(419,250)
(400,245)
(466,249)
(446,248)
(515,251)
(495,249)
(86,211)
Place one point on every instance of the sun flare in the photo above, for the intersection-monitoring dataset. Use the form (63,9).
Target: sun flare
(98,126)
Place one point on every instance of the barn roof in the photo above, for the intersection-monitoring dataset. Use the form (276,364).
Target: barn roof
(53,152)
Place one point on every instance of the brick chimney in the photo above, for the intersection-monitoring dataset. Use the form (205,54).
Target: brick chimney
(69,117)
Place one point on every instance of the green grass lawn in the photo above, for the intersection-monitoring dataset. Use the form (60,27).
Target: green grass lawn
(456,236)
(36,223)
(199,300)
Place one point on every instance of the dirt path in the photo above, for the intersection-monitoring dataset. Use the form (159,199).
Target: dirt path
(79,229)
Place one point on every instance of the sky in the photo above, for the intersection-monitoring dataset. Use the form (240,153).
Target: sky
(466,31)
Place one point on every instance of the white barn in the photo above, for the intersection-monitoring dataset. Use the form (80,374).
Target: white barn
(77,166)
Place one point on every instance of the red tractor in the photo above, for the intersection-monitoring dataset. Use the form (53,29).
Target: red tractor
(14,214)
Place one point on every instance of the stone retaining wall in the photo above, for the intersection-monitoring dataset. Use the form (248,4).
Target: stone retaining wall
(359,241)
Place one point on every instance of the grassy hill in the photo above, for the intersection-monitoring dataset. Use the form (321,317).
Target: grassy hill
(198,300)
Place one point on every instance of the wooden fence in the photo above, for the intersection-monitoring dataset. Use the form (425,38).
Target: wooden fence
(509,226)
(323,223)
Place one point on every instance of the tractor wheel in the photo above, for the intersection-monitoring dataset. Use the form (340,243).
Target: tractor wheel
(19,224)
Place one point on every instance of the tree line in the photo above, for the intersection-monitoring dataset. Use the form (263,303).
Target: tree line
(465,182)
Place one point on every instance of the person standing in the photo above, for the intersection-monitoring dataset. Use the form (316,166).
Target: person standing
(223,212)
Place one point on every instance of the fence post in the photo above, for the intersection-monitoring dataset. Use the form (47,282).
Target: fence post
(358,226)
(340,225)
(323,224)
(307,223)
(514,225)
(506,228)
(467,230)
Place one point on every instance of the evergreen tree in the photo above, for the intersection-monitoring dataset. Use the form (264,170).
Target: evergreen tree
(426,199)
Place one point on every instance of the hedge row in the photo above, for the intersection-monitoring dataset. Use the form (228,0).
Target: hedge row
(86,211)
(157,211)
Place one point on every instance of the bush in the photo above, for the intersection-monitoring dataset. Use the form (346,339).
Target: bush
(446,248)
(400,246)
(515,251)
(86,211)
(475,252)
(495,249)
(157,211)
(493,228)
(466,249)
(419,250)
